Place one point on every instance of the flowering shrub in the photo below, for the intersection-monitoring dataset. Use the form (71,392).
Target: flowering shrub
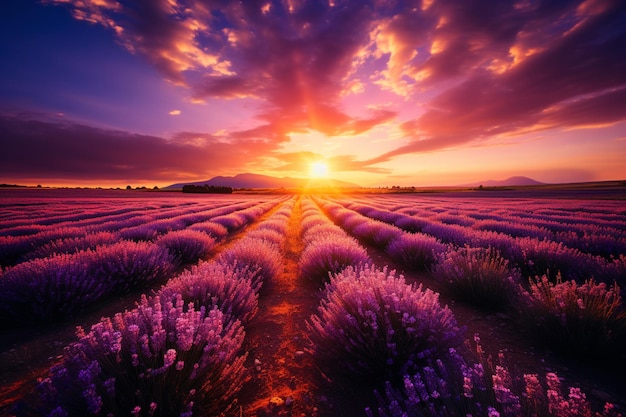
(160,359)
(230,221)
(410,224)
(216,230)
(479,276)
(50,288)
(150,231)
(255,255)
(583,318)
(312,219)
(14,249)
(142,232)
(514,228)
(276,223)
(372,324)
(268,235)
(213,284)
(545,257)
(415,251)
(376,233)
(187,246)
(74,244)
(330,255)
(322,231)
(443,391)
(457,388)
(615,271)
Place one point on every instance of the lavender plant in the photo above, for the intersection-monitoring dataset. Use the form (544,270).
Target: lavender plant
(372,324)
(545,257)
(376,233)
(215,284)
(51,288)
(330,255)
(161,359)
(255,255)
(268,235)
(439,391)
(74,244)
(217,231)
(187,246)
(482,389)
(478,276)
(585,319)
(415,251)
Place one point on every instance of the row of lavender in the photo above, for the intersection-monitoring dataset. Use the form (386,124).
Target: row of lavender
(181,350)
(69,274)
(520,217)
(586,317)
(374,326)
(533,255)
(47,233)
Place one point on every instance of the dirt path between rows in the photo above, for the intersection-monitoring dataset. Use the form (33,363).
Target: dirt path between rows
(283,376)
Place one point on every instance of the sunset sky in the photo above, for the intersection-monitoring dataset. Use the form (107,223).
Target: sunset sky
(433,92)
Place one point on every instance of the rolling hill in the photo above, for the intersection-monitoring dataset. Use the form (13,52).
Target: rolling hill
(265,181)
(509,182)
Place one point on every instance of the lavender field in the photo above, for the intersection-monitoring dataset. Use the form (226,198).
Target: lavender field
(161,304)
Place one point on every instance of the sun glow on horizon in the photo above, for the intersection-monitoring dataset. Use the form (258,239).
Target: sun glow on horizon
(318,169)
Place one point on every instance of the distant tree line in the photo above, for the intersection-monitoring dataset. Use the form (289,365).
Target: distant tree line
(207,189)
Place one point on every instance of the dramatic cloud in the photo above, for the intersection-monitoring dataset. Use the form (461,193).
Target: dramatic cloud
(440,74)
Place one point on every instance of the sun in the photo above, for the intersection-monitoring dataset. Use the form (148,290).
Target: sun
(318,169)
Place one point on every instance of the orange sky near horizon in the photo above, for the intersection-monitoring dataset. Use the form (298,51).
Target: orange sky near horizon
(413,93)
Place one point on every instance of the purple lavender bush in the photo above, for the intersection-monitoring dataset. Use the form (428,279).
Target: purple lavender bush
(442,391)
(478,276)
(275,224)
(415,251)
(322,231)
(544,257)
(330,255)
(217,231)
(255,255)
(51,288)
(376,233)
(126,265)
(411,224)
(161,359)
(214,284)
(74,244)
(187,246)
(231,222)
(371,324)
(268,235)
(585,319)
(615,271)
(15,249)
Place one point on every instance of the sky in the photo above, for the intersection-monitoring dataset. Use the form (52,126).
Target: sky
(379,93)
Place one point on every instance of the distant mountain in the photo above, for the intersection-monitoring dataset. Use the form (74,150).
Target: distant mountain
(265,181)
(509,182)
